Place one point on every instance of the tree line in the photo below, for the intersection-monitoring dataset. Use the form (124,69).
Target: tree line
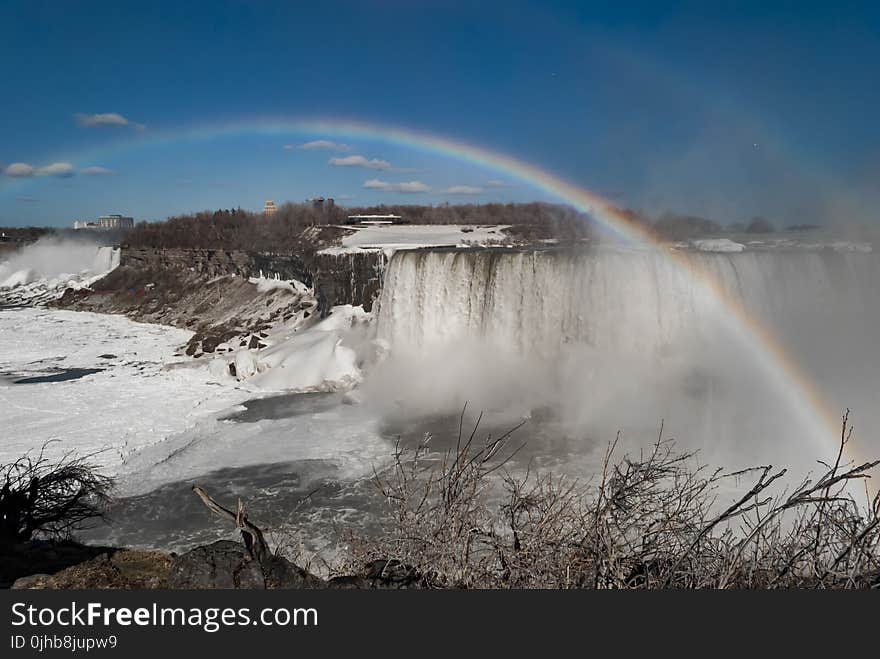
(286,229)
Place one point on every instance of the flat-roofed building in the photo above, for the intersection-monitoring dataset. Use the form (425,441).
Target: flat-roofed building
(115,221)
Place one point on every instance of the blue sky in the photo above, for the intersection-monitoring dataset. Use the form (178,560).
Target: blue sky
(728,110)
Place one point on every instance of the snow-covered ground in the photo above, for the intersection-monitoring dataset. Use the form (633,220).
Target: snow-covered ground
(410,236)
(137,399)
(717,245)
(146,392)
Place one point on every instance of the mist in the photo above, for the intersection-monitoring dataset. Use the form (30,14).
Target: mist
(52,258)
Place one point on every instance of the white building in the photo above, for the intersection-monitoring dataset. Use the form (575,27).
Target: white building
(115,221)
(106,222)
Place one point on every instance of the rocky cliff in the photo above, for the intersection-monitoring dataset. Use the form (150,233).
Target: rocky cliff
(337,279)
(208,292)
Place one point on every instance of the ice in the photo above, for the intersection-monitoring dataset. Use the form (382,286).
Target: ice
(151,417)
(135,401)
(298,359)
(266,284)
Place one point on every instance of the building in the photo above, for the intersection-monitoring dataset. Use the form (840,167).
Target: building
(115,221)
(321,203)
(106,223)
(269,207)
(375,219)
(85,225)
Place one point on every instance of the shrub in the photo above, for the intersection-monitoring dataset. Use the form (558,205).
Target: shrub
(650,522)
(52,499)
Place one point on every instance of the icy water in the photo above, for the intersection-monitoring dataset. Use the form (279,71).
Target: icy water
(61,375)
(314,502)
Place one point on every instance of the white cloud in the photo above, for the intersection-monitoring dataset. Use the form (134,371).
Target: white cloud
(59,169)
(96,171)
(360,161)
(105,119)
(19,170)
(464,189)
(321,144)
(407,186)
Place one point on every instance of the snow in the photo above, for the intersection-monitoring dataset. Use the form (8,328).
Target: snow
(718,245)
(266,284)
(152,417)
(390,238)
(300,359)
(140,398)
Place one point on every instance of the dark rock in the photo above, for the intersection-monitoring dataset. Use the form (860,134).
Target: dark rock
(210,343)
(282,574)
(254,342)
(222,564)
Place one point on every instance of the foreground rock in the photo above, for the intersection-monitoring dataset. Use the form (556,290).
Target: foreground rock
(222,564)
(227,564)
(126,569)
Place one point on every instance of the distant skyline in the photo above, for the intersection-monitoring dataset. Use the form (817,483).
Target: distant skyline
(159,108)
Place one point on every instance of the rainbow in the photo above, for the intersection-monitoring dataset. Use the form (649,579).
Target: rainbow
(780,369)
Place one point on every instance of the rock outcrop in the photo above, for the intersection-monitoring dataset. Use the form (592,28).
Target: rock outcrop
(126,569)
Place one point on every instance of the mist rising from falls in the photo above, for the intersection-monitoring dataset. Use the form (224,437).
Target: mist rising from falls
(53,258)
(613,339)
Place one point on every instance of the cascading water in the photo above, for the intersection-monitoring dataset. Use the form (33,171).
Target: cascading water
(43,270)
(620,339)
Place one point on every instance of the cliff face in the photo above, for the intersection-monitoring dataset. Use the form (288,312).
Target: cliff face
(344,279)
(207,291)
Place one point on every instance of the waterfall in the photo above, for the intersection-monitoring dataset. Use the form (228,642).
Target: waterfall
(618,340)
(632,301)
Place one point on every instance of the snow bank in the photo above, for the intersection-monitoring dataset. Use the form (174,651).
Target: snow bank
(717,245)
(299,359)
(266,284)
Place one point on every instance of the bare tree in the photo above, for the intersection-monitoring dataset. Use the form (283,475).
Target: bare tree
(48,498)
(650,521)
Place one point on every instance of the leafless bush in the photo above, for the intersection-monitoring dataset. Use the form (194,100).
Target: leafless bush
(50,498)
(464,520)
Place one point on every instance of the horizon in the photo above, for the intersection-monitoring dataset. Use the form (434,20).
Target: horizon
(690,110)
